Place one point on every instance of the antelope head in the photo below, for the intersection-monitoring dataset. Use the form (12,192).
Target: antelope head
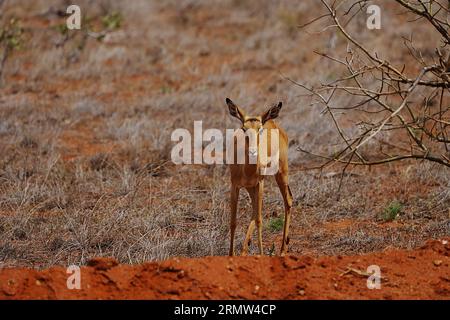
(253,126)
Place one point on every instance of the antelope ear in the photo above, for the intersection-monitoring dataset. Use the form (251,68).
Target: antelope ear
(272,113)
(235,111)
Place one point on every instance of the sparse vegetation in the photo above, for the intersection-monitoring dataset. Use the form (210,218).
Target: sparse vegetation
(11,37)
(11,34)
(276,224)
(112,21)
(96,25)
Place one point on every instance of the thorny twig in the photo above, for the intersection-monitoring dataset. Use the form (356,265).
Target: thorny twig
(421,131)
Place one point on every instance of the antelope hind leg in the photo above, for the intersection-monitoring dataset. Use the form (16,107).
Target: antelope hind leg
(282,182)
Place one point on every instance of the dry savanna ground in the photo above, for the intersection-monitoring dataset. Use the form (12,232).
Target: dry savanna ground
(86,121)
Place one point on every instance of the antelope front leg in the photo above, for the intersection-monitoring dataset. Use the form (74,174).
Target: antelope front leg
(253,196)
(259,193)
(233,213)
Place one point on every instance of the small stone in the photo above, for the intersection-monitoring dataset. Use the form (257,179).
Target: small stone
(301,292)
(437,263)
(180,274)
(174,291)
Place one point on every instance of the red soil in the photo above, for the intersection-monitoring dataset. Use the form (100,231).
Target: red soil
(423,273)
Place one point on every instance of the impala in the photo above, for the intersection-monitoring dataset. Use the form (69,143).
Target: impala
(250,175)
